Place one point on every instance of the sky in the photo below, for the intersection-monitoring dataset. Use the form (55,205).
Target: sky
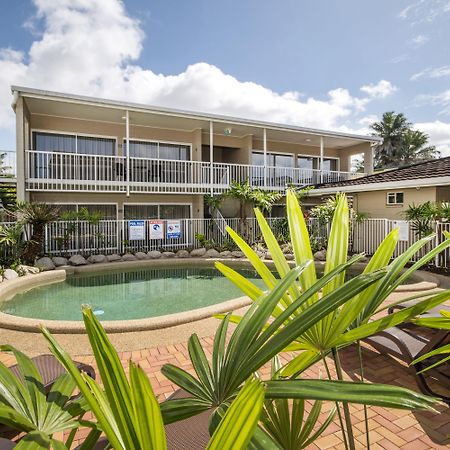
(326,64)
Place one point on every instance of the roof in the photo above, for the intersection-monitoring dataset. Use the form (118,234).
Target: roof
(427,171)
(183,113)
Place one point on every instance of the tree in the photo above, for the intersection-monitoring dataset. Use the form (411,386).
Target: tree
(37,215)
(401,144)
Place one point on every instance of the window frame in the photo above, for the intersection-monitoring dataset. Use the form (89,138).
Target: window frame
(158,204)
(157,142)
(395,194)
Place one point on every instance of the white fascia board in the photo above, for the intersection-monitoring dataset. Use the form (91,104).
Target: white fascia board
(139,107)
(416,183)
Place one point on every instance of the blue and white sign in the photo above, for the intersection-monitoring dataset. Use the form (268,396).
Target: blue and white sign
(136,230)
(173,229)
(156,228)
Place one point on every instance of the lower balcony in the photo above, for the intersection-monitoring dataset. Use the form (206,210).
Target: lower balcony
(69,172)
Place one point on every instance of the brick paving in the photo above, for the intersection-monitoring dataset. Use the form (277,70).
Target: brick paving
(389,429)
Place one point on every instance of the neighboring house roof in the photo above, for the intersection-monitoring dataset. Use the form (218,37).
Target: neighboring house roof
(428,173)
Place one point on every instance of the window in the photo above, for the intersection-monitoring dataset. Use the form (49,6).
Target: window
(329,164)
(395,198)
(108,211)
(156,211)
(159,150)
(307,162)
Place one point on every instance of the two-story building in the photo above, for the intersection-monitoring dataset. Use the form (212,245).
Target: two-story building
(135,161)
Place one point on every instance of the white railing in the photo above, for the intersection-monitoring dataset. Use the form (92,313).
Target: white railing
(49,171)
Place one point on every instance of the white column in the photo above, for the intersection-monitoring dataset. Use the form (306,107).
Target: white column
(211,156)
(127,143)
(265,156)
(20,150)
(321,159)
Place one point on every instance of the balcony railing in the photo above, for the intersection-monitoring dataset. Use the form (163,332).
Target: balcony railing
(49,171)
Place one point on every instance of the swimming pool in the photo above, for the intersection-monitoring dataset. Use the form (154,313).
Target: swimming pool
(128,295)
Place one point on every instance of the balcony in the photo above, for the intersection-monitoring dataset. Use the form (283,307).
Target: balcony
(69,172)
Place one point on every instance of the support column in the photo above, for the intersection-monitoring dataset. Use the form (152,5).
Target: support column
(265,156)
(321,159)
(211,157)
(127,143)
(20,150)
(368,160)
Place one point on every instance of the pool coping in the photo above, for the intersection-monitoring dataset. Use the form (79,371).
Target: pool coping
(9,288)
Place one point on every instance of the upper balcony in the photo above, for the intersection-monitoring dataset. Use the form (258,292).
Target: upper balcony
(69,172)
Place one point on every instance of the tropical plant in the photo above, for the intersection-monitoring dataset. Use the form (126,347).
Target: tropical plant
(27,408)
(422,217)
(11,242)
(37,215)
(127,410)
(400,143)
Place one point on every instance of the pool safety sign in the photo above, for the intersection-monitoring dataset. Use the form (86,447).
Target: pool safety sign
(136,230)
(403,229)
(173,229)
(156,229)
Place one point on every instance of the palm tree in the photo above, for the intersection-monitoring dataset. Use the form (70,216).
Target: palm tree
(414,148)
(242,192)
(37,215)
(391,129)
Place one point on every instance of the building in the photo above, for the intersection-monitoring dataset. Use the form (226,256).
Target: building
(72,151)
(388,194)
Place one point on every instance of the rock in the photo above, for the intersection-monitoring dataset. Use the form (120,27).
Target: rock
(10,274)
(286,248)
(260,254)
(237,254)
(45,264)
(27,270)
(182,254)
(141,255)
(225,254)
(211,253)
(128,257)
(154,254)
(114,257)
(321,255)
(96,259)
(59,261)
(289,257)
(77,260)
(268,255)
(168,255)
(198,252)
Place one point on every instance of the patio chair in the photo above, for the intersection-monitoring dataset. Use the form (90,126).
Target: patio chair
(50,369)
(407,345)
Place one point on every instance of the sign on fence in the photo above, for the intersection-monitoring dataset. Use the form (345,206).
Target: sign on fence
(403,229)
(156,228)
(173,229)
(136,230)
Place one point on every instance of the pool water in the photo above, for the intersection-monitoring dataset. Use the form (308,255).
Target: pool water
(128,295)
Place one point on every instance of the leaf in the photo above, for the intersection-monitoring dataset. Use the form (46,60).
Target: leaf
(352,392)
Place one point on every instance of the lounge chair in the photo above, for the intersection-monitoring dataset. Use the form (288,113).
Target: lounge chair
(407,345)
(50,369)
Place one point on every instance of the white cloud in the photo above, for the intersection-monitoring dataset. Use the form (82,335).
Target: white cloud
(381,89)
(92,47)
(439,133)
(442,99)
(432,72)
(425,10)
(419,40)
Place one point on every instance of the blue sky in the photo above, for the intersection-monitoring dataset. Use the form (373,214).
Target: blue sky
(325,64)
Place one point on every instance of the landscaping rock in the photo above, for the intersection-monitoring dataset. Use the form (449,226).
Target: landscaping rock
(289,257)
(10,274)
(96,259)
(141,255)
(114,257)
(154,254)
(27,270)
(198,252)
(211,253)
(168,255)
(128,257)
(321,255)
(182,254)
(77,260)
(260,254)
(268,255)
(225,254)
(45,264)
(286,248)
(237,254)
(59,261)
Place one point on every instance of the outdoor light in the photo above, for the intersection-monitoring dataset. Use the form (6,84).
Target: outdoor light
(227,131)
(307,140)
